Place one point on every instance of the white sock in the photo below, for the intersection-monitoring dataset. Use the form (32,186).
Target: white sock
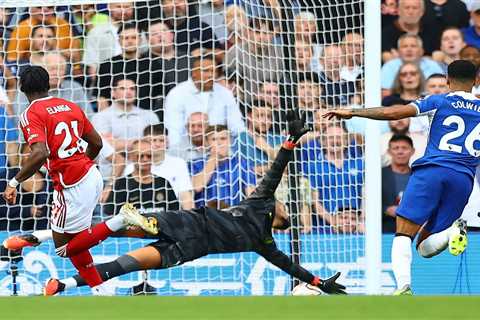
(116,223)
(69,283)
(402,260)
(42,235)
(436,243)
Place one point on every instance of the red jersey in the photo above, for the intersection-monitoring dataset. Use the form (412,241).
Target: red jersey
(60,124)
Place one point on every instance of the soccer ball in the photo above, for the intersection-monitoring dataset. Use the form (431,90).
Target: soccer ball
(305,289)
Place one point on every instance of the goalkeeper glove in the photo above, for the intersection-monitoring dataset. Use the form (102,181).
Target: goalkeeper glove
(330,285)
(296,125)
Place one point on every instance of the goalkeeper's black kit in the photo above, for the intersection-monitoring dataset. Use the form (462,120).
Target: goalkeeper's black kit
(186,235)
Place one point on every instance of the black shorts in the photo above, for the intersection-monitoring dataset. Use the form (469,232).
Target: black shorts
(177,253)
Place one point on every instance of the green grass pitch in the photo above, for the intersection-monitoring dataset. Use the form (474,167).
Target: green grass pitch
(240,308)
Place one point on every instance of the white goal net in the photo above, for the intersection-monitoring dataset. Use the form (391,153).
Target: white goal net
(171,85)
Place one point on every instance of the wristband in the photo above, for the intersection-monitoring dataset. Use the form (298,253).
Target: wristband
(13,183)
(316,281)
(289,145)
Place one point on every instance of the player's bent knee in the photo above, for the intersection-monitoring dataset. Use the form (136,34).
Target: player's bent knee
(425,254)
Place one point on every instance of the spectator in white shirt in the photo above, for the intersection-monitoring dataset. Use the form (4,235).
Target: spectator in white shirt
(200,93)
(123,121)
(193,145)
(171,168)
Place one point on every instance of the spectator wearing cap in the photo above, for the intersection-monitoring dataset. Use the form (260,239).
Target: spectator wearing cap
(410,13)
(201,93)
(410,49)
(395,178)
(471,34)
(451,43)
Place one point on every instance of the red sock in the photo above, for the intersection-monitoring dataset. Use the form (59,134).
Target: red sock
(87,238)
(84,264)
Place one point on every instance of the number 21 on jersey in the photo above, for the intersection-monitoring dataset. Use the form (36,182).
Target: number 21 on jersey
(64,128)
(470,139)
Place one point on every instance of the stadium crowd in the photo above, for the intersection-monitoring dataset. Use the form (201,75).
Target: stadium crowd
(190,98)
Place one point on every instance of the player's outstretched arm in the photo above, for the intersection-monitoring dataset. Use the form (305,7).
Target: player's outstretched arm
(296,129)
(36,159)
(395,112)
(272,254)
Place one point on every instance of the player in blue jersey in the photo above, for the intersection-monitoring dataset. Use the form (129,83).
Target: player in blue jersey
(442,179)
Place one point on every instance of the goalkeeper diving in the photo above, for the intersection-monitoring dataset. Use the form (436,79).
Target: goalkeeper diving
(186,235)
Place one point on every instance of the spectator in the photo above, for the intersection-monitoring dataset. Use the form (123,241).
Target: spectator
(336,175)
(60,86)
(201,94)
(258,144)
(167,66)
(256,60)
(102,42)
(436,84)
(193,145)
(407,87)
(395,178)
(472,54)
(402,128)
(303,55)
(305,27)
(335,89)
(128,64)
(446,13)
(236,21)
(352,44)
(389,12)
(219,177)
(123,122)
(471,34)
(141,188)
(30,211)
(409,21)
(409,50)
(348,220)
(451,43)
(190,32)
(8,142)
(213,14)
(172,168)
(305,197)
(309,92)
(269,92)
(83,18)
(111,165)
(42,41)
(19,43)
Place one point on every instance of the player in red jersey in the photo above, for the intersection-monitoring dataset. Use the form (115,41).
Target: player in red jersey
(56,130)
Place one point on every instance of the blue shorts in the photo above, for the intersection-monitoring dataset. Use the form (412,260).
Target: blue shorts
(435,195)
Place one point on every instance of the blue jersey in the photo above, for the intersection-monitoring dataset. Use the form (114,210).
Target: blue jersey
(227,183)
(454,138)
